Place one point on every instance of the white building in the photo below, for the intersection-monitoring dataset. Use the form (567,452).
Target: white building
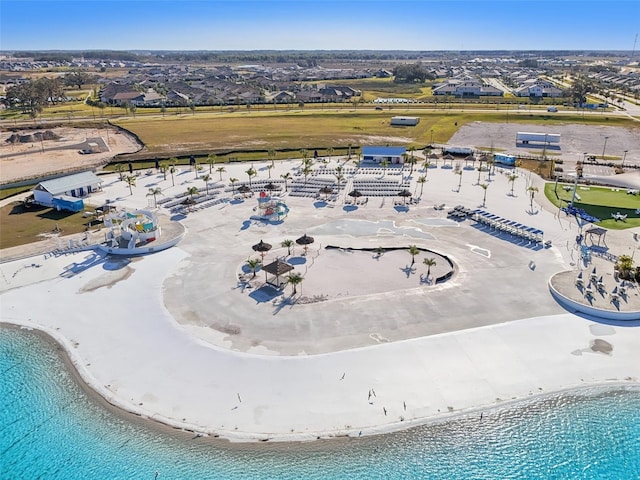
(77,185)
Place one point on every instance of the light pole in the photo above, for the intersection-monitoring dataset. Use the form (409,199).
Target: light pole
(605,146)
(624,157)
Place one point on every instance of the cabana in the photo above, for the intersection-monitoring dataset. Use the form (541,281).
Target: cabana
(276,269)
(600,232)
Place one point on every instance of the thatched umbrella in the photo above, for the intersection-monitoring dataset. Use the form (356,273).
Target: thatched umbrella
(355,193)
(244,189)
(326,190)
(433,156)
(271,186)
(188,202)
(404,194)
(261,248)
(305,241)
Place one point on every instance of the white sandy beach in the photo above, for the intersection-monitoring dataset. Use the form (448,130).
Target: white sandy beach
(174,337)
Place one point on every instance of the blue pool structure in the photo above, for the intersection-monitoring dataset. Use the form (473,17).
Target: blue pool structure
(52,429)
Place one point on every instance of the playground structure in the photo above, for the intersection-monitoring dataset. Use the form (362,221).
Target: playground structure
(271,208)
(130,232)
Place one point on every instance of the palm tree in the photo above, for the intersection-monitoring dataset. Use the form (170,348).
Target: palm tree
(131,182)
(624,266)
(120,170)
(330,152)
(197,168)
(211,160)
(272,156)
(164,168)
(287,243)
(532,193)
(484,186)
(412,159)
(220,171)
(191,191)
(154,192)
(429,262)
(459,173)
(413,251)
(379,251)
(339,179)
(305,156)
(306,171)
(491,164)
(251,173)
(269,167)
(285,177)
(384,164)
(421,180)
(172,170)
(294,279)
(349,154)
(233,181)
(512,179)
(253,264)
(205,178)
(426,165)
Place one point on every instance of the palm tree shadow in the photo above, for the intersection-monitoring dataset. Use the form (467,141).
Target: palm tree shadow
(408,270)
(284,302)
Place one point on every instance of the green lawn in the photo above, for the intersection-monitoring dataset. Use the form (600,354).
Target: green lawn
(600,202)
(21,225)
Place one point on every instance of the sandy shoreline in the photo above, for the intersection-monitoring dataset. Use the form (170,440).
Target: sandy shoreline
(152,334)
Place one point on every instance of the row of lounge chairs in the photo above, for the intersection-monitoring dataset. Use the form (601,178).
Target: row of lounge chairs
(511,227)
(460,212)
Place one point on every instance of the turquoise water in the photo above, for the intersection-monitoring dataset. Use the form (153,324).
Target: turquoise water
(50,429)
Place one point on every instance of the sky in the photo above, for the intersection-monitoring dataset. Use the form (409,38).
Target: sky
(319,25)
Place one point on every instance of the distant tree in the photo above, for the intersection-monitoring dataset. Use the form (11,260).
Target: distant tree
(211,160)
(221,170)
(413,251)
(154,192)
(484,187)
(429,262)
(205,178)
(131,182)
(285,177)
(288,243)
(253,264)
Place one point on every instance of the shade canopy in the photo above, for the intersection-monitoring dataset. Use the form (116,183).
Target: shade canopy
(305,240)
(277,268)
(326,190)
(355,193)
(261,247)
(271,186)
(433,156)
(404,193)
(244,189)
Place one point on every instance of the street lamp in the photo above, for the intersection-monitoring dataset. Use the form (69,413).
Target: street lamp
(605,146)
(624,157)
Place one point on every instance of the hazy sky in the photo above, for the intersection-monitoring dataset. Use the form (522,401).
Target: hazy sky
(318,25)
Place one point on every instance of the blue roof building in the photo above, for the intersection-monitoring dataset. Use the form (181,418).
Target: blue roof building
(378,154)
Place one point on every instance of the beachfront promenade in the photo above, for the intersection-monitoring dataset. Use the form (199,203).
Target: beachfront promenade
(177,337)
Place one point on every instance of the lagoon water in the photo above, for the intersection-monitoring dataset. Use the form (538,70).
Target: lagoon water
(50,429)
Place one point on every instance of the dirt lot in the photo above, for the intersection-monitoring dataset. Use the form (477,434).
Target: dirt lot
(37,158)
(575,140)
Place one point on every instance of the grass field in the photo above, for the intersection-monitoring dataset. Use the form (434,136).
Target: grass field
(21,226)
(600,202)
(303,128)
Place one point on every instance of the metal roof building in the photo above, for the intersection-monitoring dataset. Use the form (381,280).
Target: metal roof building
(76,185)
(378,154)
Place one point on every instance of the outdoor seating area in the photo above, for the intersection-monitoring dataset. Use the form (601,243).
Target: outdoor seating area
(312,187)
(513,228)
(373,187)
